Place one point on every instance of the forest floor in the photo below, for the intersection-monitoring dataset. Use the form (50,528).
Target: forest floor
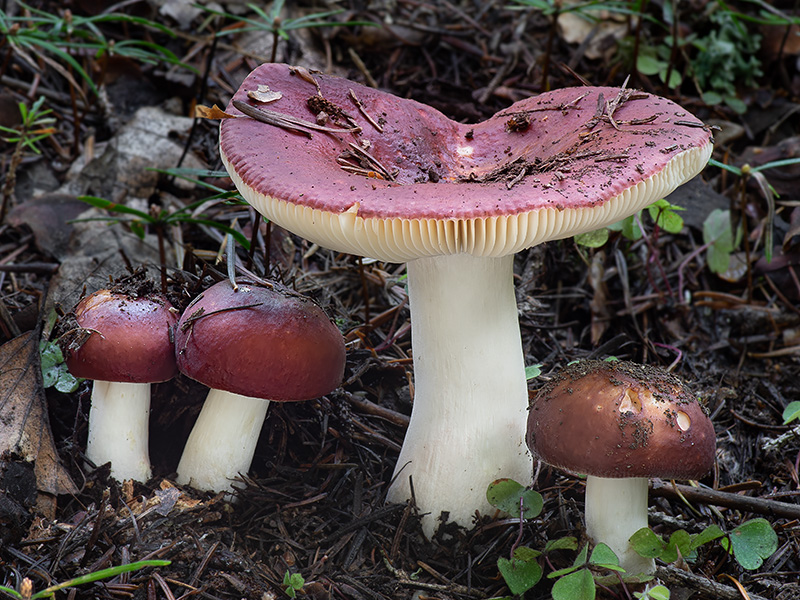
(313,503)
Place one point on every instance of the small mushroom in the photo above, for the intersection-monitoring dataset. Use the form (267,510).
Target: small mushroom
(456,202)
(620,423)
(128,346)
(250,345)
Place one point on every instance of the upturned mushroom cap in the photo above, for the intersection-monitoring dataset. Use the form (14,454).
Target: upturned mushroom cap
(128,338)
(621,419)
(260,342)
(548,167)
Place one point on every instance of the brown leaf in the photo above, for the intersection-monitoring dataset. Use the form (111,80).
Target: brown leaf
(215,112)
(25,426)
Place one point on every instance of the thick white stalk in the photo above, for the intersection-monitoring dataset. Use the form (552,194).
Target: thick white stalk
(119,420)
(222,442)
(470,407)
(615,510)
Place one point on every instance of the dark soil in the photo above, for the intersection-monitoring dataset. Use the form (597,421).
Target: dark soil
(314,501)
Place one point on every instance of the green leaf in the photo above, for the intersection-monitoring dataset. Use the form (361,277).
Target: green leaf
(658,592)
(675,78)
(647,543)
(717,234)
(712,98)
(665,216)
(533,371)
(680,542)
(592,239)
(506,495)
(791,412)
(520,575)
(66,382)
(575,586)
(629,228)
(114,207)
(648,63)
(565,543)
(604,557)
(752,542)
(709,534)
(735,104)
(50,354)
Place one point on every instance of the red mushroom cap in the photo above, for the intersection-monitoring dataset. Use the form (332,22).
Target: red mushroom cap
(548,167)
(129,338)
(261,342)
(621,419)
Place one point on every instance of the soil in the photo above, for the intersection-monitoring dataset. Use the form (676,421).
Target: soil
(313,503)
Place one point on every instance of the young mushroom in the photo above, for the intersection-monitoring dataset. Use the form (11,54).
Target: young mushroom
(250,345)
(124,345)
(620,423)
(455,202)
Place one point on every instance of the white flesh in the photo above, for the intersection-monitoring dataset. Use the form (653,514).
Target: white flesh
(118,429)
(615,510)
(222,442)
(470,407)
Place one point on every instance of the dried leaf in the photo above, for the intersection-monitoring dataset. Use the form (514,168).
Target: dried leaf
(25,426)
(215,112)
(264,94)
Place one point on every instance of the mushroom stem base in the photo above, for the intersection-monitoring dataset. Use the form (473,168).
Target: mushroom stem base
(118,428)
(468,420)
(222,442)
(615,510)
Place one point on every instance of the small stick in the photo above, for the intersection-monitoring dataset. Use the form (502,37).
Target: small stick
(375,162)
(762,506)
(364,112)
(271,117)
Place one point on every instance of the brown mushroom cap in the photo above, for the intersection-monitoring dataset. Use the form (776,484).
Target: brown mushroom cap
(561,163)
(129,338)
(621,419)
(261,342)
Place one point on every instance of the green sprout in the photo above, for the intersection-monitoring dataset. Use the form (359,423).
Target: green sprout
(26,587)
(294,583)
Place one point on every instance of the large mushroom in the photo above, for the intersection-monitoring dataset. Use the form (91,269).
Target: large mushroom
(620,423)
(396,180)
(251,345)
(124,346)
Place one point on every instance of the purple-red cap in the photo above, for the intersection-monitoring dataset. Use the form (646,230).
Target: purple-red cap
(621,419)
(129,338)
(409,182)
(263,342)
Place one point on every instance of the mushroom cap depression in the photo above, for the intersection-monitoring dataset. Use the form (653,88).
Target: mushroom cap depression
(129,338)
(262,342)
(621,419)
(548,167)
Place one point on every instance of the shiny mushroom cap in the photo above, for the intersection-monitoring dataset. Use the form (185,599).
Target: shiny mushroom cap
(262,342)
(128,338)
(397,180)
(619,419)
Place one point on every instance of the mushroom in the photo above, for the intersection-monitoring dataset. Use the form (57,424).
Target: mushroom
(398,181)
(620,423)
(125,346)
(250,345)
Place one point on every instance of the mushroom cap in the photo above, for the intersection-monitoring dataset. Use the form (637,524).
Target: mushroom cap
(621,419)
(260,342)
(547,167)
(129,338)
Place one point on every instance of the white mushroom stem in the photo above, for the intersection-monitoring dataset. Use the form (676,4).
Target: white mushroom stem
(118,429)
(222,442)
(615,510)
(469,416)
